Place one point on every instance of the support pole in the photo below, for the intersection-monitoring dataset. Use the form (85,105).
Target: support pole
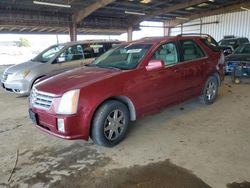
(201,25)
(73,31)
(130,34)
(167,28)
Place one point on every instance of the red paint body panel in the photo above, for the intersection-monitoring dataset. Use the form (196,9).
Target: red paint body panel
(148,90)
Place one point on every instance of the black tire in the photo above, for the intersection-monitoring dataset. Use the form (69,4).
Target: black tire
(110,123)
(210,91)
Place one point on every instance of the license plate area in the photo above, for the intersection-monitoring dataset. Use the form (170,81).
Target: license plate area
(33,116)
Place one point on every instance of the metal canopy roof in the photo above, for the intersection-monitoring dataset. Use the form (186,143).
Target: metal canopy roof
(105,16)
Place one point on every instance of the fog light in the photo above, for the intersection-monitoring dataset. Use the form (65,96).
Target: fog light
(60,125)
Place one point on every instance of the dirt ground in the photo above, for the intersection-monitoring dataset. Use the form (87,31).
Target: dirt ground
(188,145)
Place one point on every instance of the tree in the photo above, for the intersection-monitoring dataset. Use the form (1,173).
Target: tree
(24,42)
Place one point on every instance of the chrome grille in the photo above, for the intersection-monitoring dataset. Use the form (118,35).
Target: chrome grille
(41,100)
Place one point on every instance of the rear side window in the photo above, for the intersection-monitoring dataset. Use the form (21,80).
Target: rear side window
(211,43)
(191,50)
(93,50)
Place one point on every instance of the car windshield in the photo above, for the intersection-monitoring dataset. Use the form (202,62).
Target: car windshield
(243,49)
(47,54)
(231,42)
(123,57)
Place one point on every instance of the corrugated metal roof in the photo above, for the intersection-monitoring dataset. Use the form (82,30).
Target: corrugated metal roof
(25,16)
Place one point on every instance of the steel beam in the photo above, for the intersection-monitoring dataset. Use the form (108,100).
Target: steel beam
(226,9)
(137,20)
(73,32)
(79,16)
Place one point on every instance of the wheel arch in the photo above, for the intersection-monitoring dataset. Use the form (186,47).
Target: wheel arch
(123,99)
(33,82)
(127,101)
(217,75)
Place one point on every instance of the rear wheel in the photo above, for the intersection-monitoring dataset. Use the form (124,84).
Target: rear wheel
(210,90)
(110,123)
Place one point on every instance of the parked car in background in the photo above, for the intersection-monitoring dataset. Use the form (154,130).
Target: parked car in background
(241,56)
(230,43)
(227,50)
(57,58)
(127,82)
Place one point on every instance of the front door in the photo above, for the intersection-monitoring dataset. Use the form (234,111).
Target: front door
(72,57)
(164,86)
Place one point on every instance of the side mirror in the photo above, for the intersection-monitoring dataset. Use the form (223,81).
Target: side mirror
(155,65)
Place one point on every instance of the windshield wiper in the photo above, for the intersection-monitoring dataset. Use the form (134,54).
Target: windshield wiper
(104,66)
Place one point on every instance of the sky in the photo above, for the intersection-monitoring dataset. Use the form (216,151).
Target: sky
(40,42)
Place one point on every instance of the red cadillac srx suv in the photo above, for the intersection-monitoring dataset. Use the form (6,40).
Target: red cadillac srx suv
(127,82)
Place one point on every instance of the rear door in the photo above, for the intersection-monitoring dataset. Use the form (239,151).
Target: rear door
(194,62)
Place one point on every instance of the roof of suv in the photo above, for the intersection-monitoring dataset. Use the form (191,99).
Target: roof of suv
(160,39)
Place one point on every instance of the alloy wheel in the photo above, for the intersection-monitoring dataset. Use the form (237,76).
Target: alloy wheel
(114,125)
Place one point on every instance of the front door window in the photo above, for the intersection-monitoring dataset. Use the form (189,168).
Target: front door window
(167,53)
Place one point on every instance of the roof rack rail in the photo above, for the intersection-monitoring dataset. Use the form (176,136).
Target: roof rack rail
(198,34)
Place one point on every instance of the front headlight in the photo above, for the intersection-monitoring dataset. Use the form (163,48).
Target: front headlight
(69,102)
(22,74)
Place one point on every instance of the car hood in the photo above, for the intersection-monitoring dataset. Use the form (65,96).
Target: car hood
(74,79)
(22,66)
(238,57)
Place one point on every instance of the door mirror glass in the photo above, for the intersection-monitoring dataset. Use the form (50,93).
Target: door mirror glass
(155,65)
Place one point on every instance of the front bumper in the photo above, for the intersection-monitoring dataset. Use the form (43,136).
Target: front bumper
(73,124)
(21,87)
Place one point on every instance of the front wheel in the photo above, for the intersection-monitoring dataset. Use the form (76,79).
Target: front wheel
(110,123)
(210,90)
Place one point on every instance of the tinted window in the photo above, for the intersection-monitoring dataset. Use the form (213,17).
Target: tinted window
(168,53)
(231,42)
(211,43)
(191,50)
(72,53)
(244,40)
(93,50)
(88,52)
(243,49)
